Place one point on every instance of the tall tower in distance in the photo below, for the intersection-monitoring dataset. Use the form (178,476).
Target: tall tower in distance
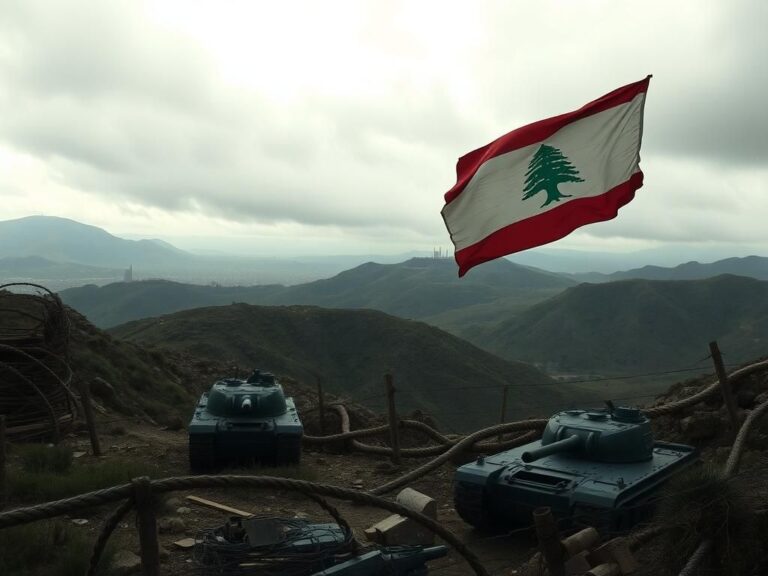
(128,274)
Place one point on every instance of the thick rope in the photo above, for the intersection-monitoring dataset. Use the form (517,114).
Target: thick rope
(106,531)
(64,506)
(420,452)
(533,425)
(710,390)
(732,464)
(51,509)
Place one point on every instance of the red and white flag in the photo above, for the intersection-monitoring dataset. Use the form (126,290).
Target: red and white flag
(540,182)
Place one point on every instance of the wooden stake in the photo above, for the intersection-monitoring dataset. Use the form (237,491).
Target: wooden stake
(394,429)
(3,478)
(85,400)
(321,404)
(549,540)
(725,385)
(503,417)
(146,521)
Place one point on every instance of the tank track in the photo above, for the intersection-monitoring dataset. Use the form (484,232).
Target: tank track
(202,454)
(288,450)
(469,501)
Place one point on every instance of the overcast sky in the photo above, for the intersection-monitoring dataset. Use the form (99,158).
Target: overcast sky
(334,127)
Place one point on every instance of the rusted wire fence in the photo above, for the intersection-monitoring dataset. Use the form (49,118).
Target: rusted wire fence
(35,378)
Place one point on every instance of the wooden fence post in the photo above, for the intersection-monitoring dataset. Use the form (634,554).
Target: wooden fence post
(549,540)
(503,417)
(321,404)
(394,428)
(725,385)
(146,521)
(85,400)
(3,479)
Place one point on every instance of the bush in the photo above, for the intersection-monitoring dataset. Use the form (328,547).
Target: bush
(45,485)
(50,547)
(45,458)
(701,504)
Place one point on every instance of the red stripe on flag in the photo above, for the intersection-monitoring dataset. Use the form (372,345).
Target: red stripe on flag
(469,164)
(549,226)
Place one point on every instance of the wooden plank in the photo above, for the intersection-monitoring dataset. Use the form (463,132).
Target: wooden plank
(219,507)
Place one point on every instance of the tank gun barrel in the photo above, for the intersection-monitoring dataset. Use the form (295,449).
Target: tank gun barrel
(565,445)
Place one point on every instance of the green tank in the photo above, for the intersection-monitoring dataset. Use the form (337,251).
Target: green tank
(596,467)
(243,422)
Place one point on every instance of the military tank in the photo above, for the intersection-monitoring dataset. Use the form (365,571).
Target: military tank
(245,421)
(596,467)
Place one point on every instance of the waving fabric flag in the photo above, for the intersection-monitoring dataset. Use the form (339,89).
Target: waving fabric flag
(540,182)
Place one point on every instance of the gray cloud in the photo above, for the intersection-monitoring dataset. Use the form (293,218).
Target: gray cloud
(128,111)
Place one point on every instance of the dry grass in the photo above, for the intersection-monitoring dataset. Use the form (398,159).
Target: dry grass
(700,505)
(51,547)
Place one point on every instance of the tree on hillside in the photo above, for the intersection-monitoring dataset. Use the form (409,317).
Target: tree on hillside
(548,168)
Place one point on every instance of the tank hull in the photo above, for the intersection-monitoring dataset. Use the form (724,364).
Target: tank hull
(216,440)
(501,491)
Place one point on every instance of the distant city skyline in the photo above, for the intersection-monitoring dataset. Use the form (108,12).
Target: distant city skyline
(247,129)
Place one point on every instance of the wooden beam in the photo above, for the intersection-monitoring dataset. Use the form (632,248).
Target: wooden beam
(218,507)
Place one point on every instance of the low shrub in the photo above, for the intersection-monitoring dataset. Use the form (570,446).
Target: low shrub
(28,486)
(49,547)
(45,458)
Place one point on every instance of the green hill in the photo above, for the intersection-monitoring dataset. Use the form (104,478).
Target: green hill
(419,288)
(637,325)
(352,350)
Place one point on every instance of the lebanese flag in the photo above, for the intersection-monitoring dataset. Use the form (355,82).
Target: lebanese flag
(540,182)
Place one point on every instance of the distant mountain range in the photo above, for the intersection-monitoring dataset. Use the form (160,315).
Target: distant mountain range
(352,350)
(68,241)
(637,325)
(418,288)
(750,266)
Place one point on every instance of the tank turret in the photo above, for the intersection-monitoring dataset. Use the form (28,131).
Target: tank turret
(244,421)
(600,467)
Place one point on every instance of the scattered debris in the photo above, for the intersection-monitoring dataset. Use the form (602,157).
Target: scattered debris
(399,530)
(186,543)
(183,510)
(79,454)
(171,525)
(79,521)
(125,562)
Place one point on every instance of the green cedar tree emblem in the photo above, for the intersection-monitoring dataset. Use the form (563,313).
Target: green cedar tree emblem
(548,168)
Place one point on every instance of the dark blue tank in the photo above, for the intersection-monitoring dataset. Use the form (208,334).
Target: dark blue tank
(598,467)
(245,421)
